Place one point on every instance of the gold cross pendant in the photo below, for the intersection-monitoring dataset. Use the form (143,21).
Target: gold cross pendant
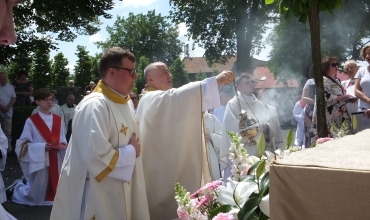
(123,130)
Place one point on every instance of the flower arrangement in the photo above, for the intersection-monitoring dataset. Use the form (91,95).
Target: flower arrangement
(245,196)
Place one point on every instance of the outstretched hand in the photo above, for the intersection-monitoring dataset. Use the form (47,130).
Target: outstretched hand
(225,77)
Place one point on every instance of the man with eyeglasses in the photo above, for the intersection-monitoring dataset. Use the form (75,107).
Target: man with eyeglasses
(172,130)
(265,115)
(102,175)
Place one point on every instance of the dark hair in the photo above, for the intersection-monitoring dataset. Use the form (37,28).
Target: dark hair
(113,57)
(241,77)
(325,64)
(363,50)
(42,94)
(22,72)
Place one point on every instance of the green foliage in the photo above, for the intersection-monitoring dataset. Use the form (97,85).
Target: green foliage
(289,138)
(200,76)
(59,71)
(261,145)
(19,63)
(21,114)
(179,74)
(83,67)
(225,28)
(147,35)
(140,81)
(38,22)
(95,66)
(347,26)
(40,76)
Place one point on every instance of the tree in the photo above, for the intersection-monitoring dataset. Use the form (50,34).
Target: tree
(140,81)
(37,22)
(59,71)
(95,66)
(179,74)
(200,76)
(225,28)
(310,9)
(40,76)
(82,68)
(18,63)
(147,35)
(342,34)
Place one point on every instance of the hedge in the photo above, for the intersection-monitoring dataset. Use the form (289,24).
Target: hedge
(20,115)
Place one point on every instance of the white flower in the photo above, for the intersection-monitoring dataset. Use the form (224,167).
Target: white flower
(265,205)
(242,192)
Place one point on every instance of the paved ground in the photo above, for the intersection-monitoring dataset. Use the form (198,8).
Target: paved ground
(21,212)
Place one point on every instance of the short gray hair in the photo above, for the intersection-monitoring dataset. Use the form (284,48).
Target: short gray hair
(349,63)
(150,68)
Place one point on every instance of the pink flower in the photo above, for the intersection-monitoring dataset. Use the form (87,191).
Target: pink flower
(204,201)
(223,216)
(205,189)
(183,215)
(322,140)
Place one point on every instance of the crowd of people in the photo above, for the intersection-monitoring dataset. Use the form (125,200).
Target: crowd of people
(342,99)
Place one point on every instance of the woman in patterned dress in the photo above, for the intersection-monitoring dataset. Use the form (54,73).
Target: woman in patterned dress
(335,98)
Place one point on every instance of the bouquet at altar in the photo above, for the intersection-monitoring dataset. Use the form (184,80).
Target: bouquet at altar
(245,196)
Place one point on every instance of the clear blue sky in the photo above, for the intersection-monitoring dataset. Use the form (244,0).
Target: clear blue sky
(123,8)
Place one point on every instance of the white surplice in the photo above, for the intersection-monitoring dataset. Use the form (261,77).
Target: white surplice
(67,113)
(173,146)
(264,114)
(213,127)
(3,149)
(4,215)
(298,115)
(35,163)
(101,177)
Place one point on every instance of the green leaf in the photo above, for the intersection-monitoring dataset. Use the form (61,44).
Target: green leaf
(249,207)
(262,216)
(322,6)
(249,178)
(267,2)
(304,1)
(221,209)
(253,167)
(261,168)
(264,185)
(261,145)
(289,138)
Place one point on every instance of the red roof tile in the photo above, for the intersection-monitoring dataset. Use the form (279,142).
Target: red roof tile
(269,81)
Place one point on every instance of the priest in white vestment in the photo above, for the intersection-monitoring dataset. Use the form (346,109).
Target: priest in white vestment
(225,95)
(171,126)
(68,109)
(4,215)
(266,116)
(212,133)
(37,154)
(102,174)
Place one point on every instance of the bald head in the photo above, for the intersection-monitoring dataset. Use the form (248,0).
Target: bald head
(70,99)
(151,68)
(158,76)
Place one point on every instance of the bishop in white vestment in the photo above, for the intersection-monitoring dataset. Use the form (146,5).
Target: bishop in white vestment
(171,126)
(213,129)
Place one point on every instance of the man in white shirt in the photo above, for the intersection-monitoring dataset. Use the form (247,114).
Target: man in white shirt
(68,109)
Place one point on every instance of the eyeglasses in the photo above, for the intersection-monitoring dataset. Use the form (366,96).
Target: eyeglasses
(334,64)
(131,71)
